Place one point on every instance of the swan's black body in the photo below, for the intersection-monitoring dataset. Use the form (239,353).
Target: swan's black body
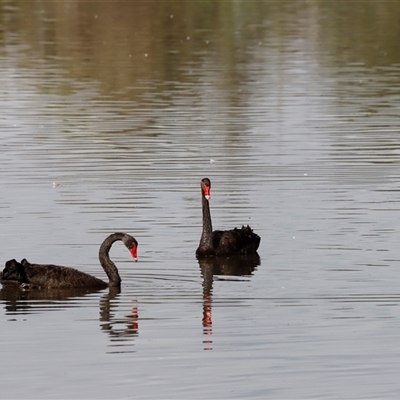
(49,276)
(223,243)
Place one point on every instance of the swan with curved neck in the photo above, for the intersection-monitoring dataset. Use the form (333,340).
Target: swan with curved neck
(223,243)
(49,276)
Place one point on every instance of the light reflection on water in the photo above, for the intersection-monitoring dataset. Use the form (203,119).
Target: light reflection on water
(296,127)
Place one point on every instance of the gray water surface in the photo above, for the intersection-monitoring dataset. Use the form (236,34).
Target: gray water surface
(112,113)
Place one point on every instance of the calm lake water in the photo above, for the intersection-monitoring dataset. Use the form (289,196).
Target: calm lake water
(291,108)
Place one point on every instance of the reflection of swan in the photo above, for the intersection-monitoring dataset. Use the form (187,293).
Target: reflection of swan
(17,301)
(233,266)
(230,266)
(223,243)
(109,323)
(20,301)
(48,276)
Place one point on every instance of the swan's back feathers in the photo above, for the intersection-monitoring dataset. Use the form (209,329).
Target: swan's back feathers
(52,276)
(48,276)
(236,241)
(14,273)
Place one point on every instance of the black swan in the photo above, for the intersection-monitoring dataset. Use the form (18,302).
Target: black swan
(223,243)
(49,276)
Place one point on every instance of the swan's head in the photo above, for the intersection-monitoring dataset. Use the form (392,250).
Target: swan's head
(129,241)
(206,188)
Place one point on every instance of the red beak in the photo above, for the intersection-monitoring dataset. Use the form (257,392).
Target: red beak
(134,253)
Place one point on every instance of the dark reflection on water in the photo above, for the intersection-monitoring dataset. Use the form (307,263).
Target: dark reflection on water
(212,267)
(24,302)
(123,330)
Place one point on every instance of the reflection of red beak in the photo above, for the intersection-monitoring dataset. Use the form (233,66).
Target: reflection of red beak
(134,253)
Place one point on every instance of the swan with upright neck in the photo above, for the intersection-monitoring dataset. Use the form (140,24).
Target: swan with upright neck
(223,243)
(49,276)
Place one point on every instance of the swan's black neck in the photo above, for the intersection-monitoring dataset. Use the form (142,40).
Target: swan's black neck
(206,243)
(105,261)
